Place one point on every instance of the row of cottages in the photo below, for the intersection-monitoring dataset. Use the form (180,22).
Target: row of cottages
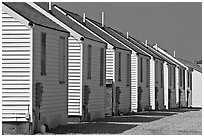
(195,96)
(86,67)
(182,74)
(139,82)
(118,57)
(34,74)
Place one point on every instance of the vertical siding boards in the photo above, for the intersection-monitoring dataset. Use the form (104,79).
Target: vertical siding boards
(16,69)
(75,77)
(96,106)
(54,97)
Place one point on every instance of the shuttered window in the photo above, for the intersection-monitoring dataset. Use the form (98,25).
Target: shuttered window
(174,77)
(147,72)
(43,54)
(162,74)
(128,69)
(62,60)
(119,67)
(180,77)
(184,79)
(101,66)
(89,62)
(170,76)
(190,81)
(141,67)
(156,72)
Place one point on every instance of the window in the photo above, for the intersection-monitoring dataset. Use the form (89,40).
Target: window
(156,71)
(174,77)
(190,81)
(141,69)
(147,72)
(101,66)
(119,67)
(43,54)
(170,75)
(180,77)
(89,62)
(128,69)
(62,60)
(162,73)
(184,79)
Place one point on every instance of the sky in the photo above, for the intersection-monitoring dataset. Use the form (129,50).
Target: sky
(174,26)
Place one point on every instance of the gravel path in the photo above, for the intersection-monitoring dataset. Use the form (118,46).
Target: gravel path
(187,123)
(173,122)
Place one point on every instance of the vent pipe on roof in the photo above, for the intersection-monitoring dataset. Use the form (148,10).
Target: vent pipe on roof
(102,19)
(146,42)
(84,17)
(127,35)
(156,46)
(50,6)
(174,53)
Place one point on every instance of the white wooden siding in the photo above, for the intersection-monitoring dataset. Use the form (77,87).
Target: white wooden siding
(75,58)
(166,85)
(110,64)
(152,83)
(16,69)
(134,82)
(177,85)
(196,89)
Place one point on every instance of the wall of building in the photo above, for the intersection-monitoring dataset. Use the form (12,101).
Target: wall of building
(196,89)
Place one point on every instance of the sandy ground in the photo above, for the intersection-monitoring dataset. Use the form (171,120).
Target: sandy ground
(173,122)
(188,123)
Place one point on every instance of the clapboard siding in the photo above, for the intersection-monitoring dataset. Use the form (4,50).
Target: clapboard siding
(125,96)
(177,85)
(110,64)
(16,69)
(96,104)
(196,89)
(74,77)
(134,82)
(145,100)
(152,83)
(160,96)
(54,96)
(166,85)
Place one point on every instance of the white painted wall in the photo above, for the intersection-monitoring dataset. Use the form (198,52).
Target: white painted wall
(152,83)
(16,67)
(196,89)
(166,85)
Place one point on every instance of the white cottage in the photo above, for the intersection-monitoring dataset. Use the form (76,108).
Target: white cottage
(86,69)
(34,62)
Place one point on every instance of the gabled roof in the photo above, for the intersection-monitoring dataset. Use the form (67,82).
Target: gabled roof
(32,15)
(71,24)
(134,45)
(94,29)
(190,64)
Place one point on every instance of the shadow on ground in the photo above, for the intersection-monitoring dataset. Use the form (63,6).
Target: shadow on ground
(128,119)
(91,128)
